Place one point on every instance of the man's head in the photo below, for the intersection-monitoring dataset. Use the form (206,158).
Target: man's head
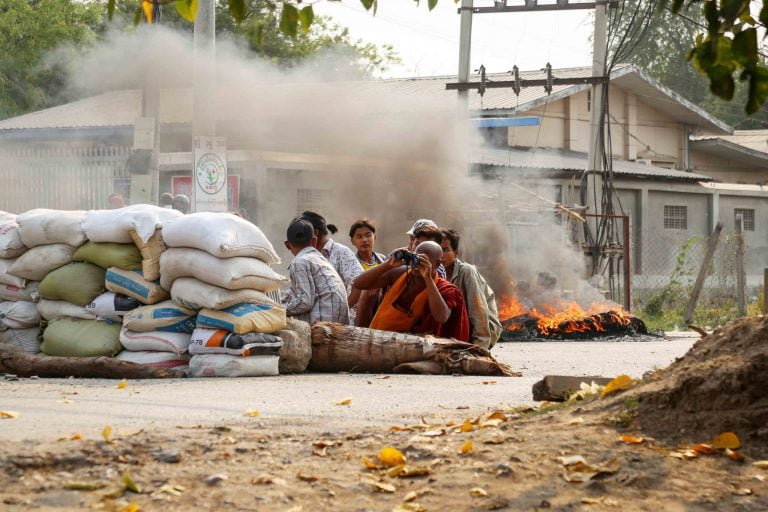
(181,203)
(431,250)
(318,224)
(450,245)
(424,234)
(363,234)
(300,235)
(418,226)
(115,201)
(166,200)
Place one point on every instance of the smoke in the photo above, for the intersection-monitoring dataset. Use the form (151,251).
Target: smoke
(322,139)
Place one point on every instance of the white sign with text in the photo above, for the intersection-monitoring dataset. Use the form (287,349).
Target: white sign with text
(210,175)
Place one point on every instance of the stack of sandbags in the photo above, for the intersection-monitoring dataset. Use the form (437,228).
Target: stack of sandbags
(218,263)
(158,335)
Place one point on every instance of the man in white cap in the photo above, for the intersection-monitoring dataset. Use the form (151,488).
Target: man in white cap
(424,230)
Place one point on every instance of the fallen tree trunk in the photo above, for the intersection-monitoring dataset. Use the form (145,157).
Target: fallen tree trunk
(337,347)
(23,364)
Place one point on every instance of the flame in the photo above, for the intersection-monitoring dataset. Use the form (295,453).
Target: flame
(565,317)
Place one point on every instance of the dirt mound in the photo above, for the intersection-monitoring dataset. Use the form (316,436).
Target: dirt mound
(720,385)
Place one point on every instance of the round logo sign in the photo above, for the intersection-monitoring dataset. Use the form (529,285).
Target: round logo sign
(210,173)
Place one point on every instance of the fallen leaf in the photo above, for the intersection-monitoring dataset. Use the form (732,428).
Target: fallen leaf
(397,428)
(576,421)
(129,483)
(733,455)
(495,439)
(493,423)
(466,427)
(478,492)
(8,415)
(433,433)
(369,464)
(726,440)
(487,382)
(228,440)
(252,413)
(321,452)
(266,479)
(306,478)
(73,437)
(578,470)
(106,433)
(325,443)
(410,507)
(123,384)
(631,439)
(348,401)
(467,447)
(619,383)
(131,507)
(600,501)
(173,490)
(382,377)
(498,415)
(684,454)
(128,434)
(379,486)
(417,493)
(762,464)
(704,449)
(83,486)
(391,456)
(406,471)
(742,491)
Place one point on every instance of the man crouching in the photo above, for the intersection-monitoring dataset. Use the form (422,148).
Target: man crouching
(416,300)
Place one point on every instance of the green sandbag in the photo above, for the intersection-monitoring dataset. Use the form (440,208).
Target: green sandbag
(108,254)
(77,283)
(76,337)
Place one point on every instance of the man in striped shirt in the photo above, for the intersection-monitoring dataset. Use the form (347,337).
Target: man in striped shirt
(317,293)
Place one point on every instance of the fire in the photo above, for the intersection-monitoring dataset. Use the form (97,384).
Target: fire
(563,317)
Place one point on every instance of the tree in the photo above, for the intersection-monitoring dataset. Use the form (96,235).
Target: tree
(30,29)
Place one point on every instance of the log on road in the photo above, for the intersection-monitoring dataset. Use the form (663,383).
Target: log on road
(23,364)
(344,348)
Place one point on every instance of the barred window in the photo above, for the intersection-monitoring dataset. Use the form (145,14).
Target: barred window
(313,199)
(675,217)
(747,216)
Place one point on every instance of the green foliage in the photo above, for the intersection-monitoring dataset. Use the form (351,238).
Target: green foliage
(187,9)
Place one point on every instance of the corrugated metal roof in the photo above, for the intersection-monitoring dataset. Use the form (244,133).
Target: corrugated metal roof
(752,139)
(565,160)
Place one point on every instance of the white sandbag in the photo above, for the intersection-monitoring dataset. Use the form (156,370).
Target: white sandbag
(111,304)
(195,294)
(19,315)
(6,216)
(114,225)
(39,261)
(244,318)
(150,253)
(176,342)
(155,359)
(50,309)
(6,278)
(10,241)
(133,284)
(219,341)
(43,227)
(221,234)
(16,293)
(222,365)
(24,338)
(231,273)
(163,316)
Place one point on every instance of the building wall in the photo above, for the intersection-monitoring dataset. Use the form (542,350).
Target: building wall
(725,170)
(756,254)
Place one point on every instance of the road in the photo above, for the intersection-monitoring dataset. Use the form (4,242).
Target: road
(51,408)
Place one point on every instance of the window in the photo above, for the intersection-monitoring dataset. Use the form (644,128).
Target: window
(313,199)
(675,217)
(748,218)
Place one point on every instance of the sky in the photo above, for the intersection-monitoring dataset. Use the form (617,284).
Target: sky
(428,42)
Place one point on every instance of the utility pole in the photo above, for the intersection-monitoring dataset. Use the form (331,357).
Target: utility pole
(465,49)
(204,87)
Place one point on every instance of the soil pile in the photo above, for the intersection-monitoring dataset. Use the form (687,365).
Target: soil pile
(720,385)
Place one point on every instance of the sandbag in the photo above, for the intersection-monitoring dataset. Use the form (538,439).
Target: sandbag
(150,253)
(6,216)
(75,337)
(176,342)
(25,338)
(43,227)
(163,316)
(108,254)
(296,351)
(10,241)
(50,309)
(156,359)
(7,278)
(78,283)
(222,365)
(114,225)
(133,284)
(39,261)
(232,273)
(195,294)
(111,304)
(213,341)
(220,234)
(244,318)
(16,293)
(19,315)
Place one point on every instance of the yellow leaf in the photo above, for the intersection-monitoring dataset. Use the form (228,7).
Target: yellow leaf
(417,493)
(488,382)
(83,486)
(467,447)
(306,478)
(726,440)
(762,464)
(130,484)
(466,427)
(253,413)
(734,455)
(405,471)
(379,486)
(348,401)
(73,437)
(123,384)
(631,439)
(619,383)
(106,433)
(8,415)
(391,457)
(704,449)
(498,415)
(490,423)
(478,492)
(369,464)
(131,507)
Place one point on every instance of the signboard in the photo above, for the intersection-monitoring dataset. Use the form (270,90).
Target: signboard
(183,185)
(209,175)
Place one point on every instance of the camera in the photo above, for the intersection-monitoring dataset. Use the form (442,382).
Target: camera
(410,258)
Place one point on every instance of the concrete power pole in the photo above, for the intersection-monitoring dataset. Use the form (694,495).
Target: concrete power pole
(465,47)
(204,87)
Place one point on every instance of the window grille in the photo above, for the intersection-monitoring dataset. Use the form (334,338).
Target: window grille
(312,199)
(675,217)
(747,216)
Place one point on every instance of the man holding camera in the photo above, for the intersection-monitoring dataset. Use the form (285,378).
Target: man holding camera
(417,300)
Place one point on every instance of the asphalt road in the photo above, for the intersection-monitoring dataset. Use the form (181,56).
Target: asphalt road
(51,408)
